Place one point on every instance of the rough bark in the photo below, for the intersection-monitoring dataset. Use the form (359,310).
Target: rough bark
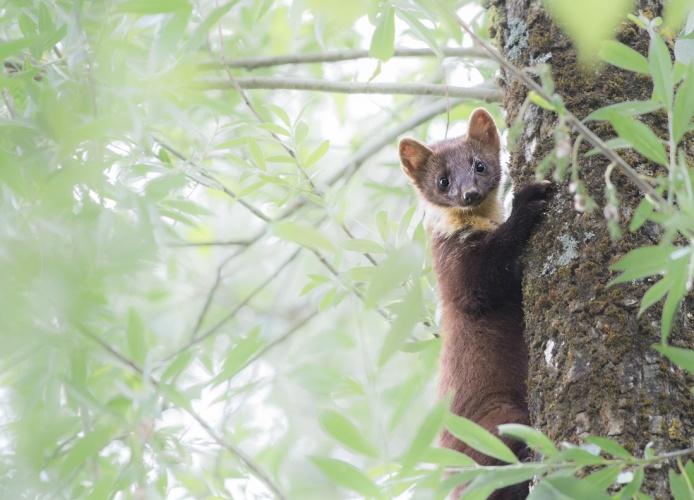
(592,369)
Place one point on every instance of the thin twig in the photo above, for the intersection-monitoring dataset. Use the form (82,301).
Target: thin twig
(221,243)
(228,317)
(246,460)
(251,63)
(480,93)
(210,296)
(570,118)
(289,150)
(219,185)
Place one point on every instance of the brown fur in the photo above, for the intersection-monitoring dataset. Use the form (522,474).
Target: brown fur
(484,360)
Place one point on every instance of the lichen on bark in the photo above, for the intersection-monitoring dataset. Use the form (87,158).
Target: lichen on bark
(592,368)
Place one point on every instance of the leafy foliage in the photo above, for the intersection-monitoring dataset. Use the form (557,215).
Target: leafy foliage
(211,292)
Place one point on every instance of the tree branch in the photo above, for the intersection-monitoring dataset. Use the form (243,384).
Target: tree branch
(481,93)
(251,63)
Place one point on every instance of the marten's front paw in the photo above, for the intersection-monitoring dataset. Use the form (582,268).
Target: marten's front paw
(530,199)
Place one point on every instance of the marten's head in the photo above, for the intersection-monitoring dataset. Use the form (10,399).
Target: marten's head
(460,172)
(458,179)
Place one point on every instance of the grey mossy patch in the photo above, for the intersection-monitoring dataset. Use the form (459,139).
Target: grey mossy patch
(517,38)
(569,251)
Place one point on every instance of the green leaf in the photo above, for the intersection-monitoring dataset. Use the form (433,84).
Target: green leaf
(137,344)
(280,113)
(679,488)
(676,12)
(197,37)
(641,214)
(630,489)
(641,137)
(11,47)
(661,69)
(446,457)
(645,254)
(346,432)
(318,153)
(684,358)
(580,456)
(346,475)
(392,273)
(603,478)
(238,357)
(362,246)
(422,32)
(300,131)
(618,54)
(84,449)
(627,108)
(152,6)
(425,435)
(479,438)
(275,129)
(489,481)
(609,446)
(537,99)
(642,262)
(677,292)
(408,316)
(305,236)
(383,225)
(257,154)
(530,436)
(584,25)
(655,293)
(566,488)
(684,106)
(383,39)
(179,363)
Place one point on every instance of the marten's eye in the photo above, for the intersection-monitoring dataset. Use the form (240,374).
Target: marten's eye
(479,166)
(443,182)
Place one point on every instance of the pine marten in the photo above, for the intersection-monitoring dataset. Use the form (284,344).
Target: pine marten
(484,359)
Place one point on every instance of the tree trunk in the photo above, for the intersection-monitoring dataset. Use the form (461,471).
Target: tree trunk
(592,369)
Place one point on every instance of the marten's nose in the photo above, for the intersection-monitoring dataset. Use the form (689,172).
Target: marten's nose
(471,195)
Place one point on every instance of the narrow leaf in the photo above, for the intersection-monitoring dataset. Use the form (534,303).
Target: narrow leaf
(684,106)
(618,54)
(635,485)
(425,435)
(655,293)
(609,446)
(530,436)
(318,153)
(400,330)
(136,338)
(447,457)
(346,432)
(566,488)
(493,480)
(641,137)
(661,69)
(303,235)
(346,475)
(684,358)
(362,246)
(383,39)
(479,438)
(628,108)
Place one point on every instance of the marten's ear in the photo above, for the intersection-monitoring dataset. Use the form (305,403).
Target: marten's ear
(481,128)
(413,156)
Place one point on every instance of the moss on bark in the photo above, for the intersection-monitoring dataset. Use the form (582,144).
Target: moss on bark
(592,369)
